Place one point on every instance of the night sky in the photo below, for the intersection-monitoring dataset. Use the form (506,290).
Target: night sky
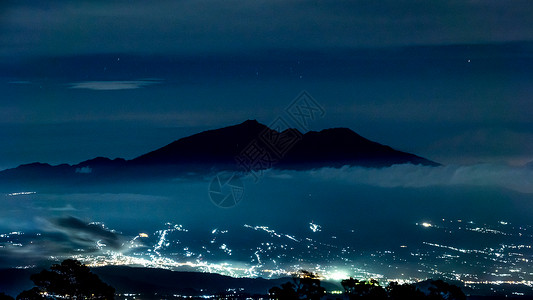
(447,80)
(450,81)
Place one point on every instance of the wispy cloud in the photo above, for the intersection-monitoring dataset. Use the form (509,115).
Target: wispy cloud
(112,85)
(65,208)
(20,82)
(87,234)
(143,27)
(108,197)
(518,179)
(60,237)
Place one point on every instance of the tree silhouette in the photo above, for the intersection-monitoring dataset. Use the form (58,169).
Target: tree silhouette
(439,290)
(349,285)
(286,292)
(305,285)
(5,297)
(404,291)
(356,289)
(309,285)
(33,294)
(71,280)
(443,290)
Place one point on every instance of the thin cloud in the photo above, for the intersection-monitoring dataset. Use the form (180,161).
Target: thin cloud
(61,237)
(112,85)
(107,197)
(518,179)
(88,234)
(67,207)
(182,26)
(20,82)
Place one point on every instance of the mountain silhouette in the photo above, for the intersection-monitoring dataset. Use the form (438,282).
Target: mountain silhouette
(242,147)
(330,147)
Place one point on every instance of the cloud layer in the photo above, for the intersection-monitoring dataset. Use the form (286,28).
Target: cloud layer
(518,179)
(215,26)
(81,233)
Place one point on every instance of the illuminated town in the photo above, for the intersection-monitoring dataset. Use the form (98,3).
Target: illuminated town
(504,258)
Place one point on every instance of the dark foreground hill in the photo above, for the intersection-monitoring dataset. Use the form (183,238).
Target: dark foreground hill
(249,146)
(137,280)
(154,283)
(150,281)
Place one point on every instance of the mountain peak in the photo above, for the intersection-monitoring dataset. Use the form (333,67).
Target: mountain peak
(251,122)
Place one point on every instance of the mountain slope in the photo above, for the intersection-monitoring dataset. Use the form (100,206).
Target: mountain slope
(219,146)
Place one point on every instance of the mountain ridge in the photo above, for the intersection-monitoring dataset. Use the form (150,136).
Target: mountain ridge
(232,148)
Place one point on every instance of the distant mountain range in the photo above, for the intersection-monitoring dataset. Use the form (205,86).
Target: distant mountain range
(249,146)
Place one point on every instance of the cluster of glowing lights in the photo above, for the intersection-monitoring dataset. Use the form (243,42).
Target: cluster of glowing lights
(315,227)
(265,262)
